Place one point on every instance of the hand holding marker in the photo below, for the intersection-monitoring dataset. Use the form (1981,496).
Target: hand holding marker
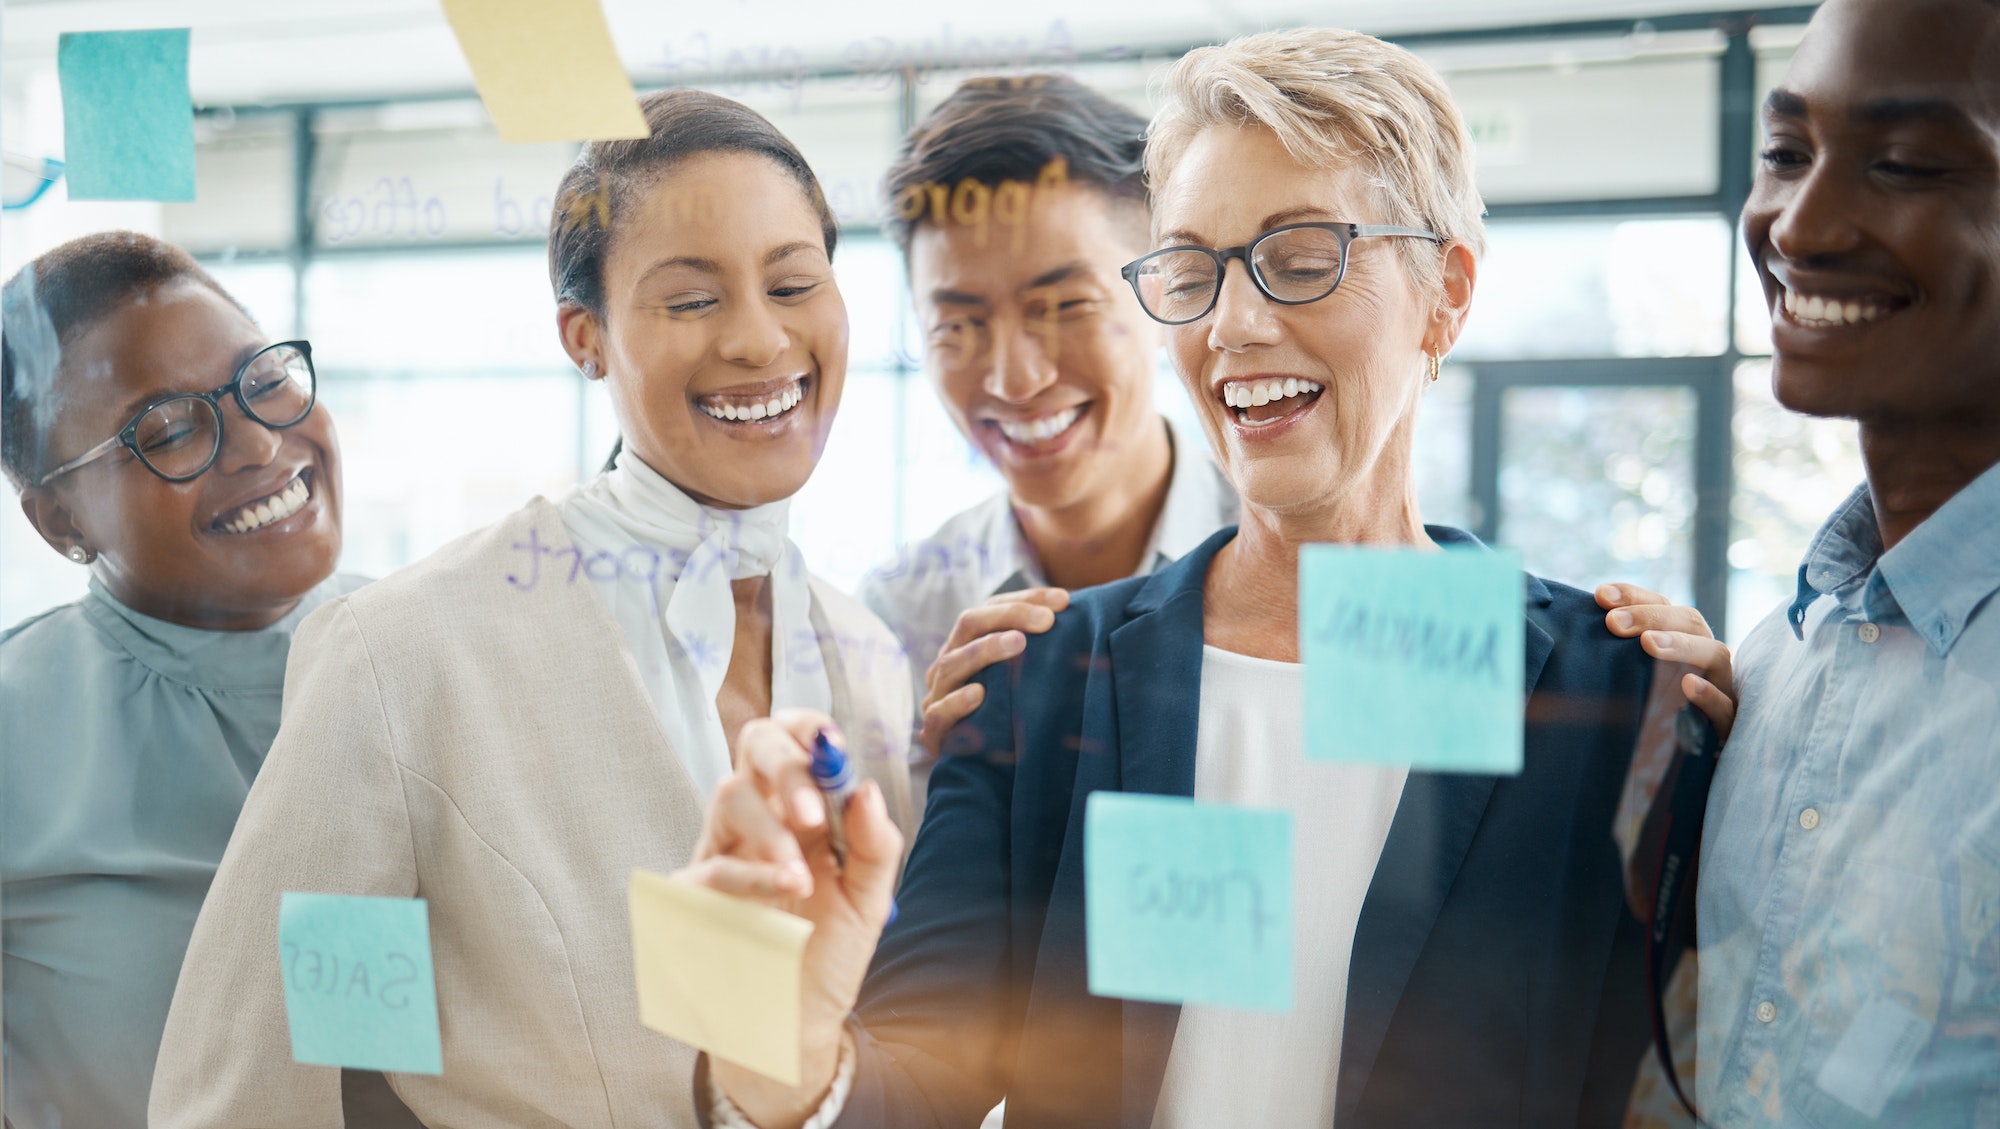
(835,775)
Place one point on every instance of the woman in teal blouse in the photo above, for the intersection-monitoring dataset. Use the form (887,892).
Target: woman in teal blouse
(159,439)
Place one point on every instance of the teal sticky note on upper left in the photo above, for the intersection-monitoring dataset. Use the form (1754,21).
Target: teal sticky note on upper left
(1413,657)
(128,123)
(1187,902)
(360,991)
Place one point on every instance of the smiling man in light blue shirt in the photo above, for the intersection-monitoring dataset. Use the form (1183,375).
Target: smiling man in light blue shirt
(1850,893)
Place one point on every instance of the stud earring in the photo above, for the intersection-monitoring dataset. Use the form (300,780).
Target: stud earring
(590,370)
(81,555)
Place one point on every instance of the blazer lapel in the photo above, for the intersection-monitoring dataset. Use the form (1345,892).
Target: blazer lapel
(1434,825)
(1156,678)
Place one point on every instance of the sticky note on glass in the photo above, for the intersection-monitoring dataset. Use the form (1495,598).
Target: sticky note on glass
(719,973)
(546,69)
(359,988)
(128,126)
(1188,902)
(1412,657)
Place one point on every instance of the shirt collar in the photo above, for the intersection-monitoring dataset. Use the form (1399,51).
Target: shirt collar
(1949,564)
(1937,576)
(1005,560)
(1199,502)
(243,661)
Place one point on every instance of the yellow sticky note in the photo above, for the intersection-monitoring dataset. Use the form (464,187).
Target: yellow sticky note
(546,69)
(719,973)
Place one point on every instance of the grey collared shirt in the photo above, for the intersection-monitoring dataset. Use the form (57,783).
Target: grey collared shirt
(981,552)
(1849,906)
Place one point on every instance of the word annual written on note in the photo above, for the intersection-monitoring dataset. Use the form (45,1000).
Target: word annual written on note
(1413,657)
(360,991)
(1187,902)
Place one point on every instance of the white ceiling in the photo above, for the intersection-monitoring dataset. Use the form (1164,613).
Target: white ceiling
(257,50)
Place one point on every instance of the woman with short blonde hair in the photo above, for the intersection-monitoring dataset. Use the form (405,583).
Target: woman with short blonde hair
(1336,99)
(1463,954)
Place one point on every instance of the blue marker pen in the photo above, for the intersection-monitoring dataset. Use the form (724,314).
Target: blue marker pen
(834,773)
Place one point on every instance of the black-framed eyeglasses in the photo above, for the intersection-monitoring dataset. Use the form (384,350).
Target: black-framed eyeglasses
(1291,265)
(179,437)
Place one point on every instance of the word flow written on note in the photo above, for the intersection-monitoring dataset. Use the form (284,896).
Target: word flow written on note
(1412,657)
(546,69)
(359,987)
(1187,902)
(719,973)
(128,124)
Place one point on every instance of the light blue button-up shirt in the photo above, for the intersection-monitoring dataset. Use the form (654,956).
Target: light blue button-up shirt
(1850,869)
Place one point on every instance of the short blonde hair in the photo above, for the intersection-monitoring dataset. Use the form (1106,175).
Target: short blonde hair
(1333,96)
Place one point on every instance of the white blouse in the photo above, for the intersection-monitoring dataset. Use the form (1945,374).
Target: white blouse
(1231,1066)
(661,563)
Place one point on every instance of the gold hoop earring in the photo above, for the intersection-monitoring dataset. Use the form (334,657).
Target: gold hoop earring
(1436,364)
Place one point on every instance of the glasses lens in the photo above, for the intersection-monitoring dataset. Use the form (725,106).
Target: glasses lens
(1299,265)
(178,438)
(278,386)
(1176,286)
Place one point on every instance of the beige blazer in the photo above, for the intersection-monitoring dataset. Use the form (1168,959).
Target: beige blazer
(458,734)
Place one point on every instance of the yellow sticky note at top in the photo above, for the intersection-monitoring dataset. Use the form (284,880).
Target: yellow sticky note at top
(719,973)
(546,69)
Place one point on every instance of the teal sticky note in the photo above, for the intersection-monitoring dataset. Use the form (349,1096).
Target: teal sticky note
(1188,902)
(128,124)
(359,989)
(1412,657)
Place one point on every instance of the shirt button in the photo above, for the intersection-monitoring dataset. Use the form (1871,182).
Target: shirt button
(1870,633)
(1809,818)
(1767,1011)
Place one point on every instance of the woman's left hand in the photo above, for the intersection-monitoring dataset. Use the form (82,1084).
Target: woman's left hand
(1674,633)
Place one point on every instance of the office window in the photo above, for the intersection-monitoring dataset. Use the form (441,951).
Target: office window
(1791,471)
(1637,287)
(1597,484)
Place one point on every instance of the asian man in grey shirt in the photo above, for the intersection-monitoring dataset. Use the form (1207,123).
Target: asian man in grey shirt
(1016,202)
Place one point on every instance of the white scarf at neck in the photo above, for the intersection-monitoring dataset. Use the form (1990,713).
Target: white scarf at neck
(692,608)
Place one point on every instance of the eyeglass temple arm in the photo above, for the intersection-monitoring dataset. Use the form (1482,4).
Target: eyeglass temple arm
(1359,229)
(91,455)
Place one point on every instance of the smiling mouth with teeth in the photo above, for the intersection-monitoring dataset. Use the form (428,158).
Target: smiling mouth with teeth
(762,408)
(1817,311)
(1247,397)
(1034,432)
(269,510)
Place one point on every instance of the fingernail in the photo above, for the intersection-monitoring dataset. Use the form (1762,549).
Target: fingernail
(1622,620)
(796,877)
(1013,642)
(1659,640)
(1607,591)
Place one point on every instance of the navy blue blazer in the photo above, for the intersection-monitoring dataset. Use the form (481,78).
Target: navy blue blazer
(1496,974)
